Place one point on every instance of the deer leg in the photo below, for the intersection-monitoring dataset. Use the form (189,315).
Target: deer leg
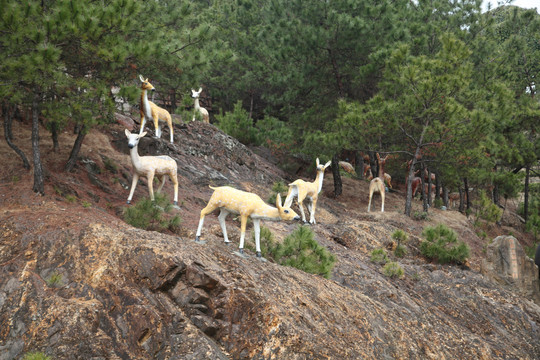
(174,179)
(370,196)
(293,191)
(133,186)
(171,130)
(311,208)
(222,216)
(382,198)
(243,223)
(161,180)
(143,123)
(151,185)
(207,210)
(257,229)
(158,129)
(302,211)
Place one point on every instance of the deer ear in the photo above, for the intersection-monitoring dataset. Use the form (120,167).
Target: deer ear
(317,162)
(141,78)
(200,89)
(143,134)
(328,164)
(126,131)
(278,201)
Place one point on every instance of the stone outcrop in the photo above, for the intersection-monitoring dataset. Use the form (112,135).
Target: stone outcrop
(507,264)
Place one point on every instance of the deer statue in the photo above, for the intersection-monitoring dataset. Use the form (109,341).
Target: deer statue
(302,189)
(150,166)
(347,167)
(195,95)
(150,111)
(377,184)
(229,200)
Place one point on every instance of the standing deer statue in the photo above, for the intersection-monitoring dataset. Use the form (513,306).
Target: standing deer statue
(302,189)
(150,166)
(377,184)
(195,95)
(150,111)
(229,200)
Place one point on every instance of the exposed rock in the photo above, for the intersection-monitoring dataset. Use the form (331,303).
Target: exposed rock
(125,121)
(507,263)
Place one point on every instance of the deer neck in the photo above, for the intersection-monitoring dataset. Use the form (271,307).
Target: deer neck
(319,180)
(197,106)
(145,104)
(266,212)
(135,158)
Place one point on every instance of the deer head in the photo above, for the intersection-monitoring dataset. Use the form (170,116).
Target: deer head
(196,94)
(133,139)
(285,213)
(145,84)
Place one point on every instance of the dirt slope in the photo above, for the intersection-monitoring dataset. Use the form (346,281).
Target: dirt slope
(125,293)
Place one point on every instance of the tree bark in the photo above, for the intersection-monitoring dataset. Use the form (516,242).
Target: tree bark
(526,191)
(54,135)
(467,195)
(358,165)
(428,192)
(461,200)
(425,194)
(445,196)
(8,120)
(39,183)
(338,186)
(76,148)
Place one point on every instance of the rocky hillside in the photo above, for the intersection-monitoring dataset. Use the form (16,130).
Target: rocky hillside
(77,282)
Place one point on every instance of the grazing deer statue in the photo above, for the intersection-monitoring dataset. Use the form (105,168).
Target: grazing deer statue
(347,167)
(230,200)
(150,166)
(302,189)
(195,95)
(150,111)
(377,184)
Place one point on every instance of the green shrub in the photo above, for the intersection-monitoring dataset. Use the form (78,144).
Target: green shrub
(301,250)
(420,215)
(238,124)
(278,188)
(55,279)
(268,243)
(400,236)
(379,256)
(438,203)
(393,270)
(36,356)
(441,244)
(486,210)
(149,215)
(400,251)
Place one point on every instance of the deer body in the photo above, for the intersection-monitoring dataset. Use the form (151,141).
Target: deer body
(245,204)
(205,116)
(150,166)
(302,189)
(152,112)
(377,184)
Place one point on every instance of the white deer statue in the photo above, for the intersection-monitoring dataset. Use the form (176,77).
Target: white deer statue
(195,95)
(377,184)
(150,111)
(302,189)
(230,200)
(150,166)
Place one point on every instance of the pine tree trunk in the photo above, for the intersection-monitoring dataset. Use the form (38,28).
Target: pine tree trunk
(358,165)
(461,200)
(437,187)
(408,197)
(76,148)
(338,186)
(467,195)
(428,192)
(526,191)
(39,183)
(425,194)
(445,196)
(8,120)
(54,135)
